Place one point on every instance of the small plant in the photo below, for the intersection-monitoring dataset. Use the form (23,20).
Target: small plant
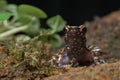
(26,19)
(26,56)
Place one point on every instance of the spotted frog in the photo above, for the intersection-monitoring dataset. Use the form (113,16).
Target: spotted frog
(75,52)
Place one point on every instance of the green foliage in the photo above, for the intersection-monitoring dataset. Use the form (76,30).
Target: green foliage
(31,10)
(3,3)
(55,40)
(27,54)
(26,19)
(12,8)
(56,23)
(4,16)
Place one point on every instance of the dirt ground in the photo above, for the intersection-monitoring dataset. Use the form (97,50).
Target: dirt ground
(100,72)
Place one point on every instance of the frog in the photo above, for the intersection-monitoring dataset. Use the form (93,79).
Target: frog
(76,52)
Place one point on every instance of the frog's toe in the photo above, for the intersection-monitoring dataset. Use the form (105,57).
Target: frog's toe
(97,60)
(60,61)
(101,61)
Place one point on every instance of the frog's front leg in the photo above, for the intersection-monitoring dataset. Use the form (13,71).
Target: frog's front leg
(64,61)
(61,60)
(95,52)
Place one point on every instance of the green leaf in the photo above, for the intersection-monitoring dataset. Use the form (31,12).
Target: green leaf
(22,38)
(55,40)
(33,27)
(12,31)
(56,23)
(12,8)
(25,19)
(3,4)
(31,10)
(4,16)
(46,32)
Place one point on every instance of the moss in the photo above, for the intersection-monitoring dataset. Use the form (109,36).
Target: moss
(26,60)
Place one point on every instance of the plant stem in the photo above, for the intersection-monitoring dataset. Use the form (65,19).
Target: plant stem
(12,31)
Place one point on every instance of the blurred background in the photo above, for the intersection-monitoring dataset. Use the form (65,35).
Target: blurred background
(101,30)
(75,12)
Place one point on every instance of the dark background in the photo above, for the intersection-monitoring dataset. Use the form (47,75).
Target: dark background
(75,12)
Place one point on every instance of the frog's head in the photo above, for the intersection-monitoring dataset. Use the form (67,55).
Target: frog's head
(75,31)
(75,34)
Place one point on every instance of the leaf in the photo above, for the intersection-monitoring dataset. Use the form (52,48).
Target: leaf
(33,27)
(22,38)
(4,16)
(12,8)
(46,32)
(55,40)
(24,18)
(56,23)
(3,4)
(31,10)
(12,31)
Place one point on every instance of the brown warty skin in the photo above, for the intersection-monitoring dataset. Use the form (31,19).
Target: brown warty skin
(75,52)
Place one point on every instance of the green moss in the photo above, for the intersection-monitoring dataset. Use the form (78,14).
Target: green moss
(30,59)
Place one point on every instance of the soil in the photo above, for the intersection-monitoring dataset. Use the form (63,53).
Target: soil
(100,72)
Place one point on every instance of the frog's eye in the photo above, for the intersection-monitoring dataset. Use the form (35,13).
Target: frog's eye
(84,29)
(64,30)
(67,28)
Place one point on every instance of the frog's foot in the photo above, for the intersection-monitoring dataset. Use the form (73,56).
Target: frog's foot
(96,52)
(97,60)
(60,61)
